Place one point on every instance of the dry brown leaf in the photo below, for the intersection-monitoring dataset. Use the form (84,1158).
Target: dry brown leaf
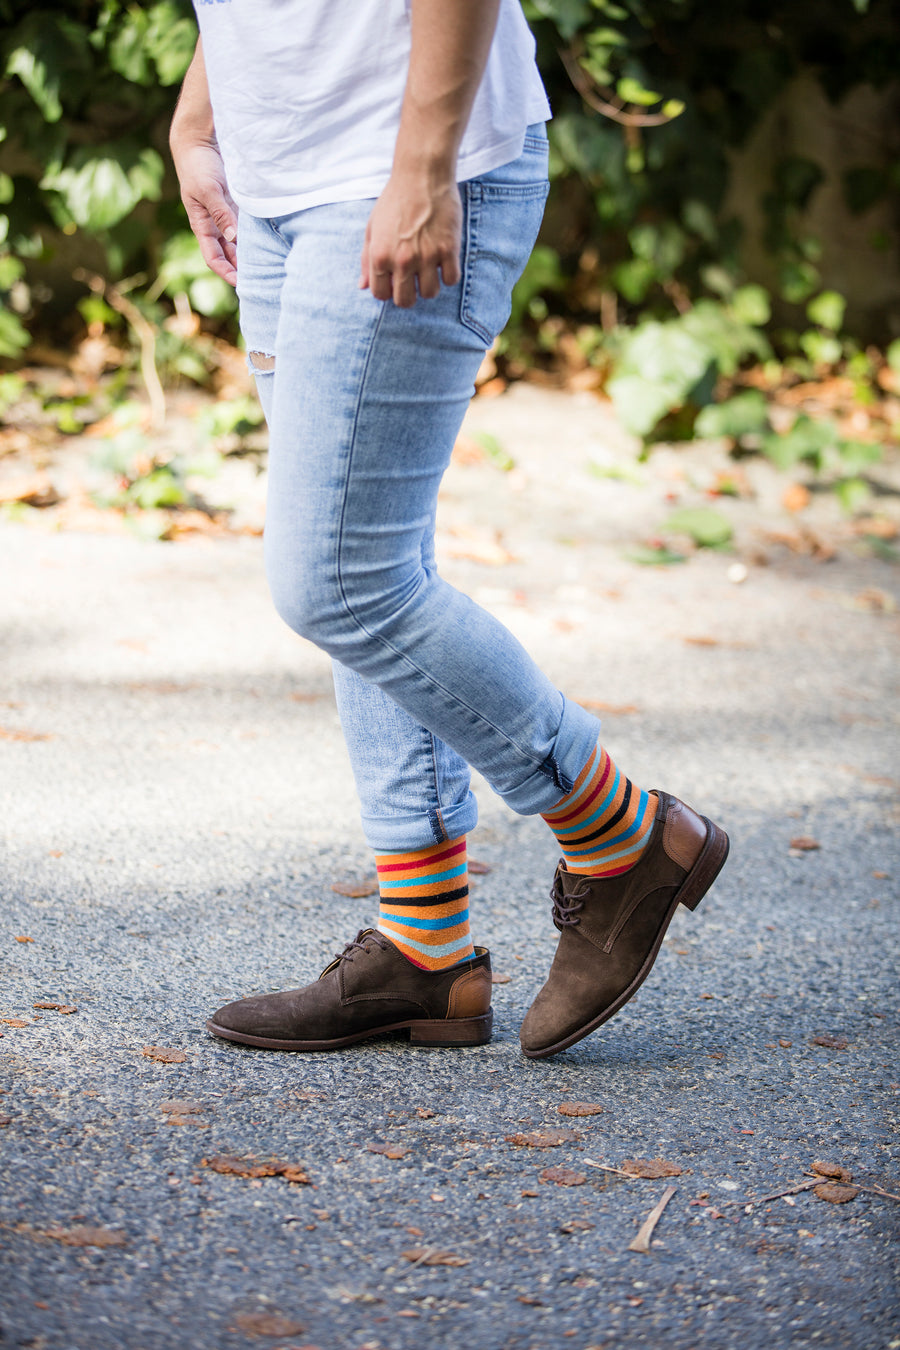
(796,497)
(31,492)
(563,1176)
(576,1226)
(835,1193)
(580,1108)
(181,1106)
(230,1165)
(268,1324)
(64,1008)
(424,1113)
(875,600)
(15,1021)
(11,734)
(498,978)
(431,1256)
(479,869)
(614,709)
(5,1120)
(830,1042)
(805,843)
(650,1168)
(542,1138)
(356,890)
(388,1150)
(785,1045)
(164,1055)
(833,1171)
(84,1235)
(24,939)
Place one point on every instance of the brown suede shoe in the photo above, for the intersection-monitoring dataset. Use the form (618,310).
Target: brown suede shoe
(368,989)
(612,928)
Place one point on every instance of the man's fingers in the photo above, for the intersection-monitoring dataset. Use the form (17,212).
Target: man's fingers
(450,270)
(404,290)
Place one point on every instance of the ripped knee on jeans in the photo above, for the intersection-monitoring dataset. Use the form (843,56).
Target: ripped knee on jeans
(262,361)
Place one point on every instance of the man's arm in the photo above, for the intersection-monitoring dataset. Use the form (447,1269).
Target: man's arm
(192,140)
(414,232)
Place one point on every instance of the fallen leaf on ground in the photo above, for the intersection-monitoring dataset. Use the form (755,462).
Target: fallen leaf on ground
(531,1301)
(576,1226)
(165,1056)
(835,1193)
(785,1045)
(796,497)
(24,939)
(650,1168)
(356,890)
(498,978)
(15,1021)
(64,1008)
(579,1108)
(83,1235)
(875,600)
(388,1150)
(181,1106)
(268,1324)
(563,1176)
(232,1166)
(431,1256)
(833,1171)
(424,1112)
(830,1042)
(12,734)
(479,869)
(5,1120)
(36,492)
(615,709)
(805,843)
(542,1138)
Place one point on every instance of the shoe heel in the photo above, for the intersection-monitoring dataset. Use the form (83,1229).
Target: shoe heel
(453,1031)
(706,868)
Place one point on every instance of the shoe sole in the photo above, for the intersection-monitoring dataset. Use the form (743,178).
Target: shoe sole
(456,1032)
(693,888)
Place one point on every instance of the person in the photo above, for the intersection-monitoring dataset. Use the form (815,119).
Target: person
(371,174)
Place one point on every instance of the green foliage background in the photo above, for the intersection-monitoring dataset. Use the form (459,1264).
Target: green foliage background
(638,224)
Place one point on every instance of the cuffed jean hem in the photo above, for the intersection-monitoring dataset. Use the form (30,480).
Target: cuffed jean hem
(402,834)
(545,787)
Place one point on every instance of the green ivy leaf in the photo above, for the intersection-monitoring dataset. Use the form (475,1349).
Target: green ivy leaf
(13,337)
(97,190)
(743,415)
(827,310)
(707,527)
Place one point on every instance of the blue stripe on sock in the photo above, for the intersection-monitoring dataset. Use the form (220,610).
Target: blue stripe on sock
(434,925)
(387,884)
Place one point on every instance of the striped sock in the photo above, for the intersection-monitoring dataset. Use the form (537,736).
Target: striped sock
(425,903)
(604,823)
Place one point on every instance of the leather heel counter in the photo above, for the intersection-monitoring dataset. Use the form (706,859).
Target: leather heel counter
(470,995)
(684,835)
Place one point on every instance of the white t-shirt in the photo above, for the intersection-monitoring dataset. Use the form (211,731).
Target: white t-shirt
(306,97)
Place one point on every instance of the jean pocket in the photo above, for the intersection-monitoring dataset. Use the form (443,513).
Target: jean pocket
(501,225)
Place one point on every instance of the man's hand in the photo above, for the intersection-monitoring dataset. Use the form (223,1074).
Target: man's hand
(414,234)
(412,241)
(192,139)
(212,214)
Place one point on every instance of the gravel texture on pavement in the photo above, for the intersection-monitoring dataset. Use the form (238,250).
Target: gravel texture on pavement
(176,804)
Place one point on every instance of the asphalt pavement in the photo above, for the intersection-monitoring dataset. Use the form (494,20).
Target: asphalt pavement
(176,807)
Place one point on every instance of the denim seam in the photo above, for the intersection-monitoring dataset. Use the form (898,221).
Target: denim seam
(402,656)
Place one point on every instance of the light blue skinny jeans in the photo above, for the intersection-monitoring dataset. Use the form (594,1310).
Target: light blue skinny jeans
(364,402)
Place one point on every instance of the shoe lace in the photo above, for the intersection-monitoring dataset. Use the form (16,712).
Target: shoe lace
(567,908)
(360,943)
